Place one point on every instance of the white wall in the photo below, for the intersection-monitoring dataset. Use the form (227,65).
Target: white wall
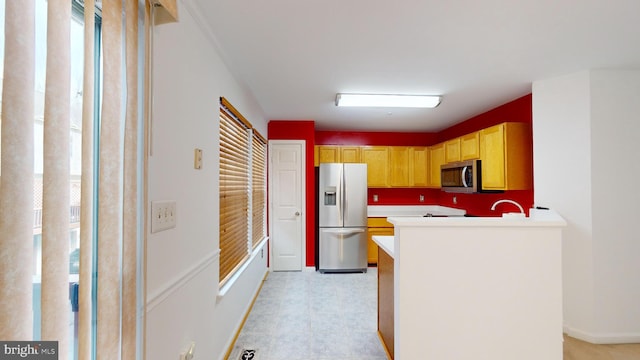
(182,263)
(615,109)
(562,181)
(584,167)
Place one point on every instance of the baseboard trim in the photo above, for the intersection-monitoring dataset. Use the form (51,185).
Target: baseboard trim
(384,346)
(600,338)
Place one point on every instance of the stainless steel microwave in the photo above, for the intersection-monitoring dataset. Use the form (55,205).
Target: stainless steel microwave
(461,177)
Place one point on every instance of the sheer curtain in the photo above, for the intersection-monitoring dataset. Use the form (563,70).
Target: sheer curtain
(16,171)
(117,174)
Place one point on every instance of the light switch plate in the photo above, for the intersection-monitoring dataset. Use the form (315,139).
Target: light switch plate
(197,161)
(163,215)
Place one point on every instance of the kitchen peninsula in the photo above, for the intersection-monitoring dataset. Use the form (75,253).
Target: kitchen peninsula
(474,288)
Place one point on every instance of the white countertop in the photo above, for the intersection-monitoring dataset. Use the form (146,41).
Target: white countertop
(538,218)
(385,243)
(411,210)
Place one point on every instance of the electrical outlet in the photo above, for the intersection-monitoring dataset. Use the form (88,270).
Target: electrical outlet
(421,198)
(163,215)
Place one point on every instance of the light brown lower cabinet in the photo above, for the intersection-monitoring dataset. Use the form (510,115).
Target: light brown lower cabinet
(376,226)
(385,300)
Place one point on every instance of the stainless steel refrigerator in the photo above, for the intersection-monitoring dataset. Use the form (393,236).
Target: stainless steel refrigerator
(342,219)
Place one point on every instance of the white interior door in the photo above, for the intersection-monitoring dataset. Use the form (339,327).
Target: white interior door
(287,204)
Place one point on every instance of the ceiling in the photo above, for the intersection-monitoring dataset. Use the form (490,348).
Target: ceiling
(295,55)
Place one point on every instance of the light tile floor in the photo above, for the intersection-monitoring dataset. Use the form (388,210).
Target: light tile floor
(312,316)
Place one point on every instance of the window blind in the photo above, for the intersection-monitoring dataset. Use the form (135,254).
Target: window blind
(234,196)
(258,187)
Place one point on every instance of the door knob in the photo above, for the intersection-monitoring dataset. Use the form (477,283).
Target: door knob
(297,213)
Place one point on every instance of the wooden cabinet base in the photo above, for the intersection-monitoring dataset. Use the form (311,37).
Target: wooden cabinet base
(376,226)
(385,300)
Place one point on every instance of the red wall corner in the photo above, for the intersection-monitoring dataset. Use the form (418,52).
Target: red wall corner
(518,110)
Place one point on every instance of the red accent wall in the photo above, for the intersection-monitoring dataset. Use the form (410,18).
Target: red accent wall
(518,110)
(375,138)
(403,196)
(480,204)
(475,204)
(302,130)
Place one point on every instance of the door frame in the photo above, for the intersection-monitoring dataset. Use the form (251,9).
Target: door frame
(303,205)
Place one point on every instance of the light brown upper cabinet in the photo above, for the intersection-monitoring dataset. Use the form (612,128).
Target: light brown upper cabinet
(350,154)
(399,166)
(465,147)
(470,146)
(408,166)
(336,154)
(436,159)
(377,160)
(506,154)
(328,153)
(452,150)
(418,166)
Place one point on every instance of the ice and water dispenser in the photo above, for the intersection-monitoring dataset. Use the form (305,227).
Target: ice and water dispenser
(330,196)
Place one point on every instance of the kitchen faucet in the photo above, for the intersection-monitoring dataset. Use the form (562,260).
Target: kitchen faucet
(493,207)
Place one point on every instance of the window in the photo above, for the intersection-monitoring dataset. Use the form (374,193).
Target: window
(242,189)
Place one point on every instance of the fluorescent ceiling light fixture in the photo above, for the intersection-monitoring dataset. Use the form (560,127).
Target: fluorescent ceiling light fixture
(388,100)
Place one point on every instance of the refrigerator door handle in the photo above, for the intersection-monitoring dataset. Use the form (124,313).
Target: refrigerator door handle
(345,231)
(344,198)
(339,196)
